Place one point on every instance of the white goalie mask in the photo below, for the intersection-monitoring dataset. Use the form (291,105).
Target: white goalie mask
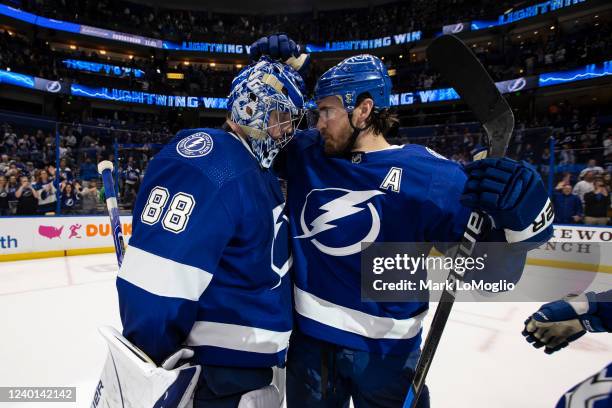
(266,101)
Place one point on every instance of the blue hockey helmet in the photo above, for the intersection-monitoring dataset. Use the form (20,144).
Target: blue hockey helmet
(354,76)
(257,91)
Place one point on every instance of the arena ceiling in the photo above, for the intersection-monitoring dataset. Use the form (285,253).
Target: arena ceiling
(260,7)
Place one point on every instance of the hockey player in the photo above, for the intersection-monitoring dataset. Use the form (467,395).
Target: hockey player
(207,263)
(559,323)
(348,185)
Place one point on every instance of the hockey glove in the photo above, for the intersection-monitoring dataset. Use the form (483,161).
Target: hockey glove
(513,194)
(558,323)
(281,47)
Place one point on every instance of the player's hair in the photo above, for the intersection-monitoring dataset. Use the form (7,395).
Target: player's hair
(381,120)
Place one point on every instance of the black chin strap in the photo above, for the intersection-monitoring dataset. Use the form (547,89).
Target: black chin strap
(353,139)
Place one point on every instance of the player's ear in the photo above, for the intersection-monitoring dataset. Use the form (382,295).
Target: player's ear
(365,108)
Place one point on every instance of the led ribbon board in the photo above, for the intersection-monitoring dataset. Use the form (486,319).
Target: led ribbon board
(590,71)
(112,70)
(203,102)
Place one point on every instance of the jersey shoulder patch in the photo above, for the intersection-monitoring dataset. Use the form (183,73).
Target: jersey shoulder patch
(197,144)
(220,155)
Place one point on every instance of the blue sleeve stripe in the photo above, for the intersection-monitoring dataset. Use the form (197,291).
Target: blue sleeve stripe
(163,277)
(355,321)
(237,337)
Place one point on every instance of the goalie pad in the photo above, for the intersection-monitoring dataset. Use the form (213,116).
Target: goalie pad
(130,379)
(266,397)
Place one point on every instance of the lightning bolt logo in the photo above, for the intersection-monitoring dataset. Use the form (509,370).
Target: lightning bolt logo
(341,207)
(196,145)
(279,219)
(195,142)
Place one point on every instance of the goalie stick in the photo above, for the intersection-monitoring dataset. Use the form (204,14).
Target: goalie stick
(105,168)
(459,66)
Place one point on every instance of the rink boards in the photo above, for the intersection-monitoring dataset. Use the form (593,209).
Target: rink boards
(45,237)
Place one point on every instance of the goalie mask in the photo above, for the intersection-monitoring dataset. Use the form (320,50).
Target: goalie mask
(266,102)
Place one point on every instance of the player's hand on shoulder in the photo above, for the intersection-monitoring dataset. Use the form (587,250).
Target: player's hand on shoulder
(559,323)
(513,194)
(280,47)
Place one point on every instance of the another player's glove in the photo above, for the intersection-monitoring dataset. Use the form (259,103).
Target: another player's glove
(558,323)
(281,47)
(513,194)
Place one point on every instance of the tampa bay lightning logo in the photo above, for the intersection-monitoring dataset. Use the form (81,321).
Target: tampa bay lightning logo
(281,253)
(326,209)
(54,86)
(517,84)
(196,145)
(457,28)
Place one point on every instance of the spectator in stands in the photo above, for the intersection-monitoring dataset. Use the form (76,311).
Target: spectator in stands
(596,205)
(27,198)
(70,197)
(567,155)
(4,164)
(565,181)
(607,142)
(13,185)
(90,196)
(131,178)
(593,167)
(46,193)
(4,196)
(584,186)
(568,208)
(88,170)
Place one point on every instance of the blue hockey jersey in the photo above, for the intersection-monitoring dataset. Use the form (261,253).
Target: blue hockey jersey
(208,259)
(594,392)
(400,194)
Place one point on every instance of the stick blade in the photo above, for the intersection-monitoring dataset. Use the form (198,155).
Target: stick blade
(458,65)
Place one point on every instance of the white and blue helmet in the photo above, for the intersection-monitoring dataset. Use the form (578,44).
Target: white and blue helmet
(257,91)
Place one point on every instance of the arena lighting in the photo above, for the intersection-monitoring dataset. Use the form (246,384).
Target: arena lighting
(401,56)
(212,64)
(238,66)
(73,47)
(130,56)
(535,32)
(103,52)
(186,62)
(552,27)
(513,86)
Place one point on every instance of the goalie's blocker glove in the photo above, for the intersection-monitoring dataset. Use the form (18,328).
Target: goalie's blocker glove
(281,47)
(559,323)
(513,195)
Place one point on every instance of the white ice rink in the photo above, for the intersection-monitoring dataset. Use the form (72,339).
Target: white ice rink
(50,309)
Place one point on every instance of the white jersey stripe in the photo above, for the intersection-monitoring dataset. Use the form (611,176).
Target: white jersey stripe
(162,276)
(236,337)
(354,321)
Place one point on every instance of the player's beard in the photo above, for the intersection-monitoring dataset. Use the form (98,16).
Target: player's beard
(337,145)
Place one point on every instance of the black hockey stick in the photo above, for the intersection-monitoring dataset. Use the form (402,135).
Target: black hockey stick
(459,66)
